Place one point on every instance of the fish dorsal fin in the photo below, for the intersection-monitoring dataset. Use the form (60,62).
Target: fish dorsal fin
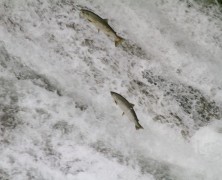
(106,20)
(132,105)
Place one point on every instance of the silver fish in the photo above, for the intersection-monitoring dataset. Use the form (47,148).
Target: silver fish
(127,108)
(101,24)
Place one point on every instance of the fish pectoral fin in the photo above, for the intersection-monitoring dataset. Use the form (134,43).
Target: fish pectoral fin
(138,126)
(115,102)
(98,30)
(123,113)
(118,41)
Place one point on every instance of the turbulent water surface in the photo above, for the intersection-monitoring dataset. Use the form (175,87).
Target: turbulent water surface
(57,117)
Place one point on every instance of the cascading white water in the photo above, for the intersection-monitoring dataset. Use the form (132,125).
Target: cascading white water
(58,119)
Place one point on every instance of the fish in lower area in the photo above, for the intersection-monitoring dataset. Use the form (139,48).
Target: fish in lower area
(101,24)
(127,108)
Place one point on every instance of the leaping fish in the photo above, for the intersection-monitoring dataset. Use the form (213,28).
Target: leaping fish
(101,24)
(127,108)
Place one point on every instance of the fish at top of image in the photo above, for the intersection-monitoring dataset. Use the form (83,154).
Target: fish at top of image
(127,108)
(101,24)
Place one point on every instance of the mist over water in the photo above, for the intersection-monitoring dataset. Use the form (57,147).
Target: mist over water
(57,117)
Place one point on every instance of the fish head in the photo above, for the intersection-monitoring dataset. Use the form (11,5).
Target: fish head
(114,97)
(113,94)
(85,13)
(82,12)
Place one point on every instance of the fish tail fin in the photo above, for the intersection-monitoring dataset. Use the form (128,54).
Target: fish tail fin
(138,126)
(118,41)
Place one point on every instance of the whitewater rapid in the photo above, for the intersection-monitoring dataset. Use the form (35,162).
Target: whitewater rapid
(58,119)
